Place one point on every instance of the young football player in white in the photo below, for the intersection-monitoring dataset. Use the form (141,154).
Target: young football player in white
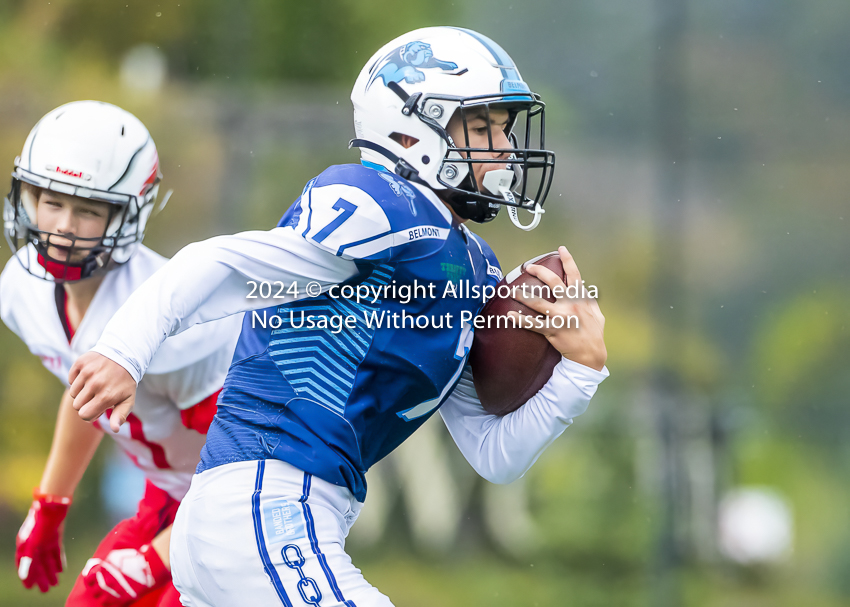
(307,408)
(82,191)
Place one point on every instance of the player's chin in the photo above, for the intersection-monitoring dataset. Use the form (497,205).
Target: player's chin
(58,254)
(74,259)
(76,255)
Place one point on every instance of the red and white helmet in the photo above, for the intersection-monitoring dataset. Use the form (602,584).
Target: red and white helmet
(92,150)
(414,85)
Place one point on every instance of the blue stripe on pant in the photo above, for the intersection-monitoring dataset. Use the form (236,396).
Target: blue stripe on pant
(261,544)
(314,543)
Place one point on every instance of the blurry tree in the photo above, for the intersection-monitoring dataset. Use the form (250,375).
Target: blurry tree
(799,365)
(251,40)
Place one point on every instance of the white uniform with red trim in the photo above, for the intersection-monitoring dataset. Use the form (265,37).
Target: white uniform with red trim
(188,368)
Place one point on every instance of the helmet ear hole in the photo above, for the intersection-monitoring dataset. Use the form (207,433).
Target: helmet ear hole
(405,141)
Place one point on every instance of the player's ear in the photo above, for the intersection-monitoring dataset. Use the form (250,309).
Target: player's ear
(405,141)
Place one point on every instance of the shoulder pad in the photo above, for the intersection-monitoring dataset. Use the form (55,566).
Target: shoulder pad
(8,292)
(362,213)
(18,288)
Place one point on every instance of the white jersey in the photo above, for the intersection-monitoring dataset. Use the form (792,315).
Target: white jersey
(187,369)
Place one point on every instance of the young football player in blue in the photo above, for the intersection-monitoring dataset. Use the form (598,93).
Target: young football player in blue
(318,391)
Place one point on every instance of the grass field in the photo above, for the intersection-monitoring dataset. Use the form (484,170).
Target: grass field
(482,579)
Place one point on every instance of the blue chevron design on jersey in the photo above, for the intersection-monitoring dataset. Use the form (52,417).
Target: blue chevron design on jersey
(318,364)
(333,401)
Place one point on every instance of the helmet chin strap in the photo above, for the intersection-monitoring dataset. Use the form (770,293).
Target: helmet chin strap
(499,183)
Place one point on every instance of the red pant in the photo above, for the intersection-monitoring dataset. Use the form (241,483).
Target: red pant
(156,512)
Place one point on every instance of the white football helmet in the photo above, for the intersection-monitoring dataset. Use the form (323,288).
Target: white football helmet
(415,84)
(93,150)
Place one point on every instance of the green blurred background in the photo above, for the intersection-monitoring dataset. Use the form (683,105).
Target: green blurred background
(699,186)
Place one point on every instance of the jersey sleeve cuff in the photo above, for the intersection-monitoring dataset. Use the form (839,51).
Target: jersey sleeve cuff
(581,376)
(116,357)
(582,372)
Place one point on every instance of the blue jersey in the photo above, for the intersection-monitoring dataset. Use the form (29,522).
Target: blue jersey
(331,398)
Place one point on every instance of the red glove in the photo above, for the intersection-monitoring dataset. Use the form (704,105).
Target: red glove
(125,575)
(39,555)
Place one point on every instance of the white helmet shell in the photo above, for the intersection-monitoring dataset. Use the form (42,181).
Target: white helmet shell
(93,150)
(415,84)
(444,61)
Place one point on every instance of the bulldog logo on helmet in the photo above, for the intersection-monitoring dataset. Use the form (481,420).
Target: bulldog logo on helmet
(407,62)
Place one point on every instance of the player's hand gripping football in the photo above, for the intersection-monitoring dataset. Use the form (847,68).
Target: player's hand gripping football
(98,384)
(39,555)
(585,344)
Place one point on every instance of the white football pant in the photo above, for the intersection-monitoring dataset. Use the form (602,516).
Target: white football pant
(263,533)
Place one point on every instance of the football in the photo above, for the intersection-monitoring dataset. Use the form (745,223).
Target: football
(511,364)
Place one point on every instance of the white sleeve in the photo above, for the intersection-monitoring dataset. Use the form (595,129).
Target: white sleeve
(503,448)
(187,386)
(208,280)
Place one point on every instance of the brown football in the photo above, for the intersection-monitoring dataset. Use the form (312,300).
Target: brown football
(510,365)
